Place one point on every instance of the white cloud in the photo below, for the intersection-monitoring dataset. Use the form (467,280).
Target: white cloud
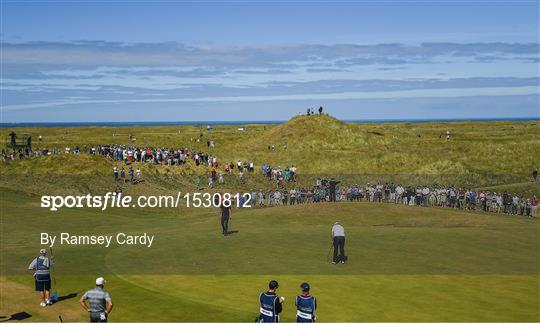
(427,93)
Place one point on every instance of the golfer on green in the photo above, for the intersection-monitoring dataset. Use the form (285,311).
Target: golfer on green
(100,302)
(338,240)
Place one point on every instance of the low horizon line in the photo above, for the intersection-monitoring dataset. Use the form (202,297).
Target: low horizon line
(241,122)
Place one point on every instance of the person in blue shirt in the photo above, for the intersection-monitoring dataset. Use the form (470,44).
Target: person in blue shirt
(271,304)
(472,199)
(305,305)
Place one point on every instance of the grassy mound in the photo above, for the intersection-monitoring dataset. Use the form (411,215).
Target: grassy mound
(303,129)
(479,154)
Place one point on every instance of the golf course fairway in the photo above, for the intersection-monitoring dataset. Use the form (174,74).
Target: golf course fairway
(406,263)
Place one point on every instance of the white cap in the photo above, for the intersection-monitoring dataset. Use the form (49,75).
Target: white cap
(100,281)
(42,251)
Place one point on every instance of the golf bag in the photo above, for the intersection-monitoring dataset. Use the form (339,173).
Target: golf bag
(54,295)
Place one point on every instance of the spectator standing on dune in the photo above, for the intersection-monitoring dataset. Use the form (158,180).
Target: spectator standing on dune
(261,198)
(472,200)
(522,205)
(534,206)
(392,190)
(214,173)
(221,180)
(241,176)
(528,208)
(425,194)
(507,203)
(333,184)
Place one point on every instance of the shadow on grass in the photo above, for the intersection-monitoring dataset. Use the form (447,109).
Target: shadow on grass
(68,296)
(16,317)
(24,315)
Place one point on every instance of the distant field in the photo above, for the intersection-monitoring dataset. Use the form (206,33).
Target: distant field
(323,145)
(406,263)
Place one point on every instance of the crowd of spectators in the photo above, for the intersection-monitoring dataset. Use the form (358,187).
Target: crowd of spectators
(426,196)
(323,190)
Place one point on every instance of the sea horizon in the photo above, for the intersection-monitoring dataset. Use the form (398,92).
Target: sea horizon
(251,122)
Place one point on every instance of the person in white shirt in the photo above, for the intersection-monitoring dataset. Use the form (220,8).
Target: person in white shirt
(425,193)
(338,240)
(399,193)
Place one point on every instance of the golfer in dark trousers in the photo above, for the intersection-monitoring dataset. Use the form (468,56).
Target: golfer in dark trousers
(305,305)
(99,302)
(225,216)
(338,239)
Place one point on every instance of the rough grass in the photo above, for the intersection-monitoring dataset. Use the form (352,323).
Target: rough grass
(479,154)
(324,145)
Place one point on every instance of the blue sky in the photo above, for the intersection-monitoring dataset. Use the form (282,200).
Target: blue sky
(268,60)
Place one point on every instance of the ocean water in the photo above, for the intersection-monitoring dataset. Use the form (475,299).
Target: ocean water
(245,122)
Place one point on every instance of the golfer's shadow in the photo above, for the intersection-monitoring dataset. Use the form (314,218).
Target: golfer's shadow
(24,315)
(232,232)
(15,317)
(68,296)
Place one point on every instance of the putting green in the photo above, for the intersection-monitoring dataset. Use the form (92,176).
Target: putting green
(376,298)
